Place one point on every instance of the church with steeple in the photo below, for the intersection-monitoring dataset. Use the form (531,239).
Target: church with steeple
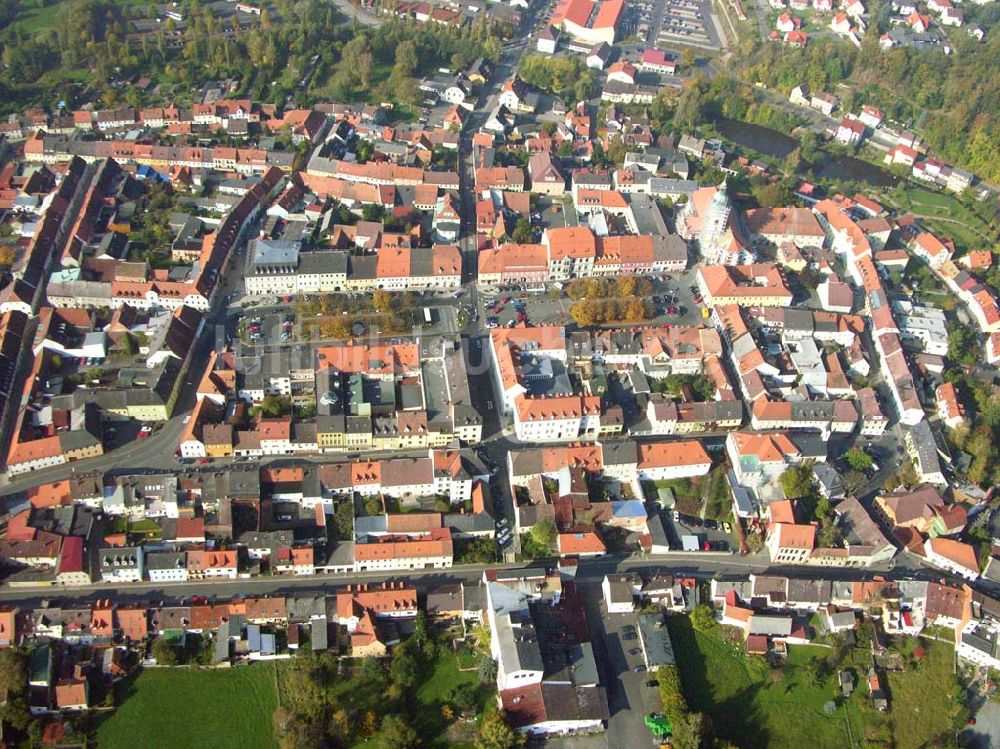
(710,220)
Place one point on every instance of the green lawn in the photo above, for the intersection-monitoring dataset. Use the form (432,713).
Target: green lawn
(755,706)
(34,16)
(921,709)
(923,201)
(191,708)
(439,685)
(687,494)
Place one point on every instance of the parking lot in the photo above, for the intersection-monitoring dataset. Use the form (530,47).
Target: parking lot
(632,692)
(116,433)
(672,298)
(269,328)
(693,534)
(666,22)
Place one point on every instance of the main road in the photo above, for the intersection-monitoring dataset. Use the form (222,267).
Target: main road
(699,565)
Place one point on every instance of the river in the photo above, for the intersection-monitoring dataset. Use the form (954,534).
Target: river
(778,145)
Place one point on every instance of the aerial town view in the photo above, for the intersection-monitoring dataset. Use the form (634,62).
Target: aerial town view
(584,374)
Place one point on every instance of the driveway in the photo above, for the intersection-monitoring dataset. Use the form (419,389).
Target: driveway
(986,732)
(629,699)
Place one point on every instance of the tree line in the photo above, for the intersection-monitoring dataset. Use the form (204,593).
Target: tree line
(267,61)
(954,98)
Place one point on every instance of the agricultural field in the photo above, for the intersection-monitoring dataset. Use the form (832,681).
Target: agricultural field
(194,708)
(753,704)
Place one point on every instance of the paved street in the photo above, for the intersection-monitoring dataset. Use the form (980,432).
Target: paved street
(699,565)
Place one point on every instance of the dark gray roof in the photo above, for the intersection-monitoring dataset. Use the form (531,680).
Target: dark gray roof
(657,648)
(362,266)
(319,633)
(166,560)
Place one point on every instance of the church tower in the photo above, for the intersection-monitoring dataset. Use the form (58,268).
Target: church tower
(715,222)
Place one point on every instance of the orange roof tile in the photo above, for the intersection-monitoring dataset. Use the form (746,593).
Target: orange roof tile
(585,542)
(683,453)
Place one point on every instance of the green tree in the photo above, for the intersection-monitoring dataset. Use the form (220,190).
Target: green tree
(397,733)
(771,194)
(306,684)
(691,730)
(404,669)
(853,481)
(372,212)
(164,653)
(421,636)
(523,233)
(487,670)
(495,732)
(407,58)
(13,672)
(671,696)
(275,406)
(858,459)
(544,532)
(382,300)
(464,696)
(702,618)
(373,671)
(796,482)
(481,637)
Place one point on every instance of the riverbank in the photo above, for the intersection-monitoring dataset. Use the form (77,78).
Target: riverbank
(777,145)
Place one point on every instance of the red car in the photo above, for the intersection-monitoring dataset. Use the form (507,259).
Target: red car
(505,300)
(672,309)
(498,309)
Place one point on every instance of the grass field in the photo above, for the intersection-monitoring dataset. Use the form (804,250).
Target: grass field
(921,709)
(754,706)
(191,708)
(963,226)
(34,16)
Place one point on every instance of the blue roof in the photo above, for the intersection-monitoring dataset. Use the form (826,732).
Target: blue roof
(267,645)
(253,637)
(629,508)
(147,172)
